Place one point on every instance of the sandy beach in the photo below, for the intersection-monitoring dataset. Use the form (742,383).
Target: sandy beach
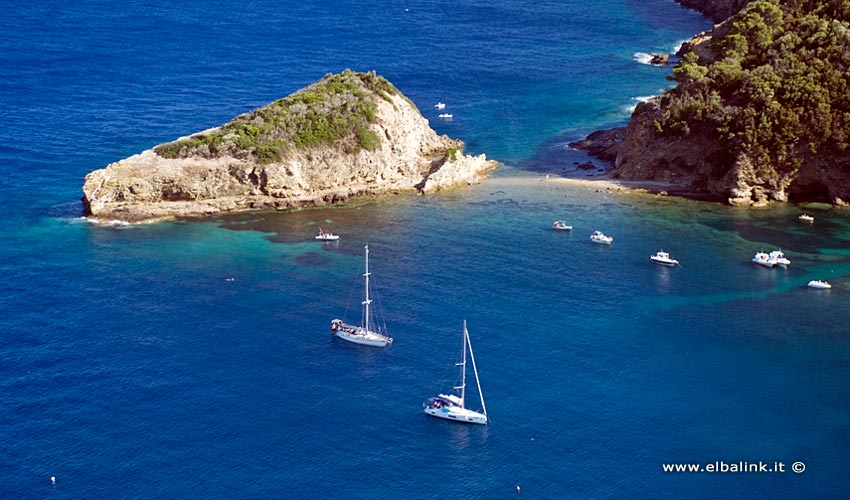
(600,183)
(608,184)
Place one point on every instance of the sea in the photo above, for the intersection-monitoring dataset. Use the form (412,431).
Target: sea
(193,358)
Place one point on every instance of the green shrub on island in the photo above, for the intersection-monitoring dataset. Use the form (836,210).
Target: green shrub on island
(337,110)
(776,87)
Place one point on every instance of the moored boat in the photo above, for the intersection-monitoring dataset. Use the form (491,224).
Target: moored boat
(763,259)
(326,236)
(364,333)
(778,258)
(819,284)
(560,225)
(599,237)
(773,259)
(663,258)
(453,406)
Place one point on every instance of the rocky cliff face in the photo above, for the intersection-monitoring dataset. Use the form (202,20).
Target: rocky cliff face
(254,162)
(700,163)
(742,125)
(644,156)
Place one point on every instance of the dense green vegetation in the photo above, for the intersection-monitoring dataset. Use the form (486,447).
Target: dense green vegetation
(336,110)
(775,90)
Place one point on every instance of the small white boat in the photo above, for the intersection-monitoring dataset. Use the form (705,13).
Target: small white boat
(763,259)
(663,258)
(819,284)
(453,407)
(560,225)
(362,334)
(598,237)
(446,116)
(806,218)
(773,259)
(440,105)
(326,236)
(778,258)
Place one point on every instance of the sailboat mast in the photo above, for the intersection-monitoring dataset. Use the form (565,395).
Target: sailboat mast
(462,364)
(367,301)
(474,368)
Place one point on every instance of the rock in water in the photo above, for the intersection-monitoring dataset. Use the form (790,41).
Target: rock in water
(346,135)
(659,59)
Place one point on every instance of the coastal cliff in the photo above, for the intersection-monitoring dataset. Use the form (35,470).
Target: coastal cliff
(347,135)
(760,113)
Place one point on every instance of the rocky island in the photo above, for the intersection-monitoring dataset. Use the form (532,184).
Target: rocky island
(760,112)
(347,135)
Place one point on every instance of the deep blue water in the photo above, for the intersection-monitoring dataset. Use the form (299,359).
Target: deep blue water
(132,367)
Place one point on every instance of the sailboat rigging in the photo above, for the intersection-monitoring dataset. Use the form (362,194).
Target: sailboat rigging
(452,406)
(362,334)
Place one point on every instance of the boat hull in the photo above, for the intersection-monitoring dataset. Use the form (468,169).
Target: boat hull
(819,285)
(456,414)
(358,335)
(667,263)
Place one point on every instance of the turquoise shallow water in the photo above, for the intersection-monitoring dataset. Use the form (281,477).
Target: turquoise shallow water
(193,359)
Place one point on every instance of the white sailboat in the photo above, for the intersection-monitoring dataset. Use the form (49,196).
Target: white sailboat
(362,334)
(453,407)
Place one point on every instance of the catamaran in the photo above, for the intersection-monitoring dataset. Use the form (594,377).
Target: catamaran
(362,334)
(453,407)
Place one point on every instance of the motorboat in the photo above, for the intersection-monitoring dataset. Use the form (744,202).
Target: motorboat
(806,218)
(440,105)
(663,258)
(453,406)
(446,116)
(819,284)
(598,237)
(326,236)
(365,333)
(772,259)
(560,225)
(763,259)
(778,258)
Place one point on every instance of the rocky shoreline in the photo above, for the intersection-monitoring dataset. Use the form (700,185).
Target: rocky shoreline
(251,163)
(671,138)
